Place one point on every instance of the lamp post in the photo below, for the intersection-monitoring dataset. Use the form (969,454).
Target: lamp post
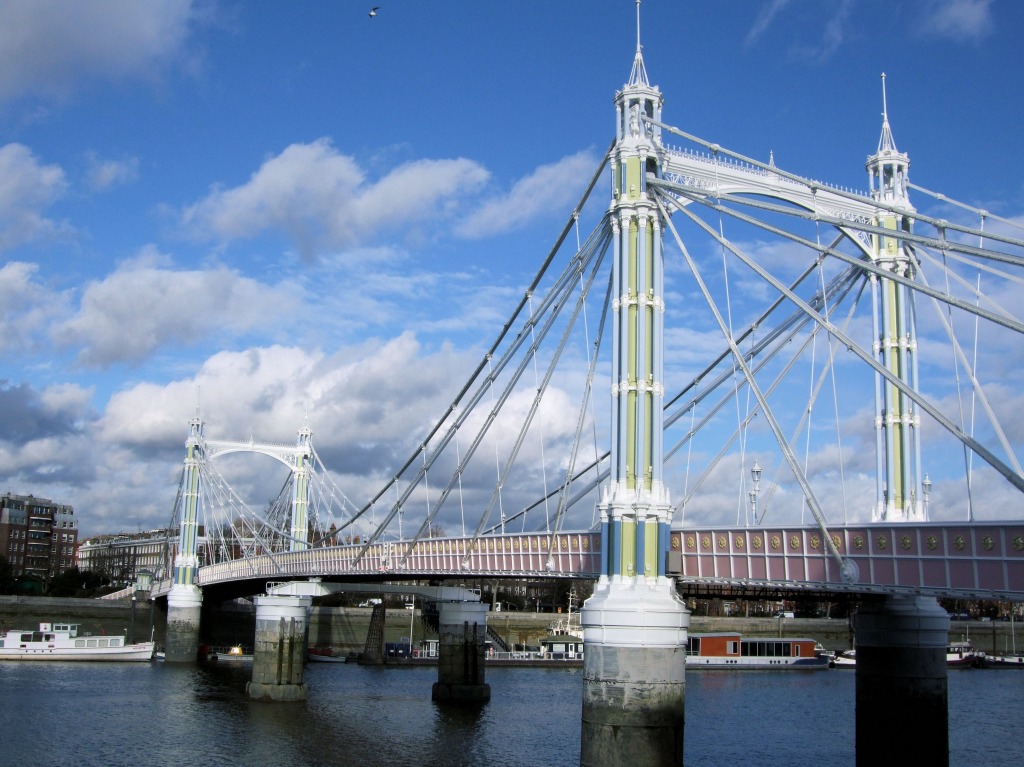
(411,607)
(755,474)
(926,491)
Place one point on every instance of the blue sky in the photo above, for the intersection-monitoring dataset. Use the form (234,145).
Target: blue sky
(288,209)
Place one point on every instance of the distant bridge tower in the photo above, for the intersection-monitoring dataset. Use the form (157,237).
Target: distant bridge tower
(635,625)
(900,485)
(185,600)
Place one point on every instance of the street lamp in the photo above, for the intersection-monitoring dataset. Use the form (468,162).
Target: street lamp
(411,607)
(926,491)
(755,474)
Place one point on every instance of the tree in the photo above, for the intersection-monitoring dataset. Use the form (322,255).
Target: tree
(74,583)
(6,576)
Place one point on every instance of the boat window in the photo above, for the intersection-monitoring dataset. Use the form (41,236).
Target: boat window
(79,643)
(26,637)
(732,647)
(90,642)
(694,645)
(103,643)
(115,642)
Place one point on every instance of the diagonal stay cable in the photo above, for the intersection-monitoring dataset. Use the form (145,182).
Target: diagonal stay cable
(1009,474)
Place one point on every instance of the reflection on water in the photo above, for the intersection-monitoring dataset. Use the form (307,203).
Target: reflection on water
(141,714)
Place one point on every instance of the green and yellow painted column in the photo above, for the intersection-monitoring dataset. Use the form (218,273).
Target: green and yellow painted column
(635,625)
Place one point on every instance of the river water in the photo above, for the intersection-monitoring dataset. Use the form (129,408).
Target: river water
(132,714)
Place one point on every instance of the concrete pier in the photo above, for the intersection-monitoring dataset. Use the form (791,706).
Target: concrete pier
(634,686)
(901,697)
(184,606)
(279,652)
(462,632)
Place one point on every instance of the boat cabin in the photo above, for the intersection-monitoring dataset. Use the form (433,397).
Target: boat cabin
(731,645)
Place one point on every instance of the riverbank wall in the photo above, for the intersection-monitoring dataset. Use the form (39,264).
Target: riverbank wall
(345,628)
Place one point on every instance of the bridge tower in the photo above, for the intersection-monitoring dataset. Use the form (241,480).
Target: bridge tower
(899,488)
(900,640)
(185,600)
(300,491)
(635,625)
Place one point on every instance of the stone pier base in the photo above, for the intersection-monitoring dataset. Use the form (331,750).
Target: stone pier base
(184,605)
(279,652)
(460,668)
(902,704)
(634,686)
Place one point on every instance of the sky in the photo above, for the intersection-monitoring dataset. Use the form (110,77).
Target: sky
(285,211)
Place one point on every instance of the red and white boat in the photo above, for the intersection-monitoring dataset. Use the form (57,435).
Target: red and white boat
(729,650)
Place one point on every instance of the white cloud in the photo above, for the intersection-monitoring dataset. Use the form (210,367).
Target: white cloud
(142,306)
(549,187)
(49,46)
(27,188)
(104,174)
(26,307)
(959,20)
(322,199)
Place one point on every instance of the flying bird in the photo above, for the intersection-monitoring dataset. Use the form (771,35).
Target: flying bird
(373,11)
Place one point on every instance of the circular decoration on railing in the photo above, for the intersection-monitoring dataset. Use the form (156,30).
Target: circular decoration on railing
(881,542)
(447,546)
(794,541)
(1018,543)
(905,542)
(722,542)
(586,544)
(932,542)
(705,541)
(959,542)
(815,541)
(533,544)
(543,544)
(563,543)
(757,542)
(988,543)
(508,545)
(858,542)
(776,541)
(515,545)
(675,542)
(739,541)
(691,542)
(572,544)
(837,542)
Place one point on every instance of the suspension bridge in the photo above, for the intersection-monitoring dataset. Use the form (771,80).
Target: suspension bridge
(724,374)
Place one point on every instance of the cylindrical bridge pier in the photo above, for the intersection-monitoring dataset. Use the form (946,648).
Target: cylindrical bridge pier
(282,625)
(460,669)
(902,702)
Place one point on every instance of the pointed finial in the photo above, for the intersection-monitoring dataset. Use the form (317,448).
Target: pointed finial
(885,107)
(639,74)
(638,26)
(886,143)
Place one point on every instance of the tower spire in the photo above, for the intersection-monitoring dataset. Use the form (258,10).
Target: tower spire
(886,143)
(639,74)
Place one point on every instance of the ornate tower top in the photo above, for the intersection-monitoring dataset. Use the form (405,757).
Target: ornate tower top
(888,169)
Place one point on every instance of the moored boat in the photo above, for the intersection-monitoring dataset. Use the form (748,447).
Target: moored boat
(962,654)
(729,650)
(1001,661)
(958,655)
(60,642)
(324,655)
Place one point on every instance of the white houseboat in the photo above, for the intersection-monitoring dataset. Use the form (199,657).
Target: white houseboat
(60,641)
